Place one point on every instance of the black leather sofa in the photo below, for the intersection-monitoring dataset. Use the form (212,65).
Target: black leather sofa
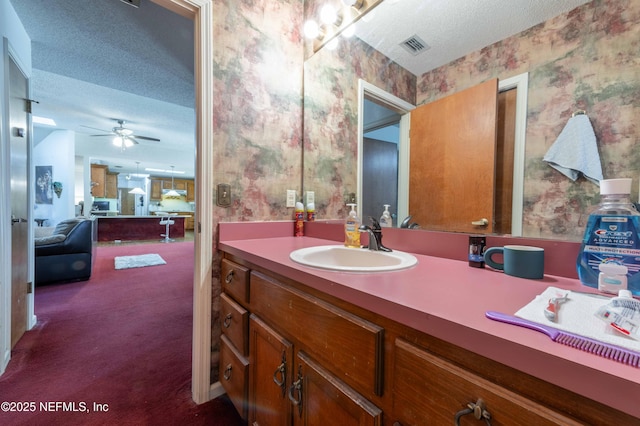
(68,253)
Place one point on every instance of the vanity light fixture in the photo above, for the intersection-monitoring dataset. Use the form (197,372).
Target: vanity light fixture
(137,190)
(357,4)
(335,21)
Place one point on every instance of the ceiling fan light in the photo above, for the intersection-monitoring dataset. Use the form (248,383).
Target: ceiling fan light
(127,142)
(117,141)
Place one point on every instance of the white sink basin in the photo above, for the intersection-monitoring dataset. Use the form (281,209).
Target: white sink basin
(341,258)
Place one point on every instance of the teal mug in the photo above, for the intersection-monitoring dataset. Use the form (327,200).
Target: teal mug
(518,261)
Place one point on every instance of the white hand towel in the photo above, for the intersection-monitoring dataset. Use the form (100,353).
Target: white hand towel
(575,151)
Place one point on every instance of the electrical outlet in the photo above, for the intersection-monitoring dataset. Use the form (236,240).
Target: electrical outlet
(291,197)
(311,197)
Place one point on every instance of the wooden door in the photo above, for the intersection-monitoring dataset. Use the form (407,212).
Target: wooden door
(453,146)
(127,202)
(19,206)
(504,161)
(322,399)
(270,366)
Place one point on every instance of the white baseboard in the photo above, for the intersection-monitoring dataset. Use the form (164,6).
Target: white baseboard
(216,390)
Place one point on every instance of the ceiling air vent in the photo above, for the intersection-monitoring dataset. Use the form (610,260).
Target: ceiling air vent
(414,45)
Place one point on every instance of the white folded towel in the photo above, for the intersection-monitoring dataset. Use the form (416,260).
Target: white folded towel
(575,151)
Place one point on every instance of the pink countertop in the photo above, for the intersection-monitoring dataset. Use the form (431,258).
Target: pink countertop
(448,299)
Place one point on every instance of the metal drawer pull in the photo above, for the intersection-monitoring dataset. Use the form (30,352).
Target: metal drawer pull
(227,321)
(227,372)
(297,387)
(478,410)
(229,277)
(282,370)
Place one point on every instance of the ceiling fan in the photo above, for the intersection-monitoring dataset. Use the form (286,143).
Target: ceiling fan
(124,138)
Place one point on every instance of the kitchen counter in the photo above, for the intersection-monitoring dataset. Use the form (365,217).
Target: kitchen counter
(448,299)
(129,227)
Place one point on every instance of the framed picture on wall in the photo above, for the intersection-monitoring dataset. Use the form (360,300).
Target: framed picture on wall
(44,184)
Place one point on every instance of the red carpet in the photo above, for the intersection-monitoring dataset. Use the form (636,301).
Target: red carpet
(121,339)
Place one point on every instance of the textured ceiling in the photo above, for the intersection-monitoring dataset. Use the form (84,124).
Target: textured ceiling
(98,61)
(452,28)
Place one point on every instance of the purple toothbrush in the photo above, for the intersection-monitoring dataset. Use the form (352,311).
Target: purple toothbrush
(606,350)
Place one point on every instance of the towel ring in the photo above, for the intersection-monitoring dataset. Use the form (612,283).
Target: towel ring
(579,112)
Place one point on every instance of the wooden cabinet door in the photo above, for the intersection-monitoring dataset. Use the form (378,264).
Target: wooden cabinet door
(233,370)
(191,190)
(98,180)
(270,361)
(320,398)
(156,189)
(428,390)
(111,185)
(453,146)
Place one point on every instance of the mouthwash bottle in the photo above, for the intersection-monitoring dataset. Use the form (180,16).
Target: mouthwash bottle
(612,236)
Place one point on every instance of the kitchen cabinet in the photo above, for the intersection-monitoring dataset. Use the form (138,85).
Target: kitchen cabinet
(339,363)
(156,190)
(191,190)
(98,180)
(104,184)
(111,185)
(158,184)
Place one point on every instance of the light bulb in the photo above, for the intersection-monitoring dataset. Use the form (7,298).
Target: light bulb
(311,29)
(328,14)
(127,142)
(117,141)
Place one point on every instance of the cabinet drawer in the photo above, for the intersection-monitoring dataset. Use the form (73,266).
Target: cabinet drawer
(234,375)
(430,390)
(235,320)
(348,345)
(235,281)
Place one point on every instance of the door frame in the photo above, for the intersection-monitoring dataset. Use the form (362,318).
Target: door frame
(403,108)
(201,11)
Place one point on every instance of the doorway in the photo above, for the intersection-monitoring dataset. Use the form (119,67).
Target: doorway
(200,11)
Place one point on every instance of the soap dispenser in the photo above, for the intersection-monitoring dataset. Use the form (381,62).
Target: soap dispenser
(351,228)
(385,219)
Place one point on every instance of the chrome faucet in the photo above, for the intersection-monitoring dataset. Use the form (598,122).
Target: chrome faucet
(375,235)
(406,223)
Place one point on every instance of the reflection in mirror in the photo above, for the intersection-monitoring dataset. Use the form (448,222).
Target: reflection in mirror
(582,59)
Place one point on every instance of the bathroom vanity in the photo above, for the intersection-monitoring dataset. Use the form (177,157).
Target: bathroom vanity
(304,346)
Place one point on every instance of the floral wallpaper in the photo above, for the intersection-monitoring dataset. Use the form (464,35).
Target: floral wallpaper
(585,59)
(257,117)
(331,117)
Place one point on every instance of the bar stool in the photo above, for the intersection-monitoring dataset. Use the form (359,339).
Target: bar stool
(167,222)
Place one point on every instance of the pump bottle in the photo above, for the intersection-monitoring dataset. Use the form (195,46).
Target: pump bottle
(385,220)
(351,228)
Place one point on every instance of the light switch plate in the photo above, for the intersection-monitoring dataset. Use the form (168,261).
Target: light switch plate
(311,197)
(291,197)
(223,197)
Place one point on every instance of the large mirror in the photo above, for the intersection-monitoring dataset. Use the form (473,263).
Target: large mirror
(581,58)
